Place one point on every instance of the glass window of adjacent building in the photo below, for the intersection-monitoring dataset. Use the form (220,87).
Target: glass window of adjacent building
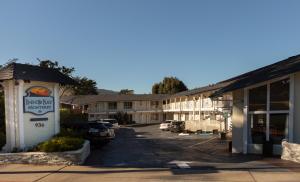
(269,120)
(279,95)
(258,99)
(278,128)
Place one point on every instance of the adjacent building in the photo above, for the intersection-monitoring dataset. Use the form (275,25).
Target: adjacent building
(266,105)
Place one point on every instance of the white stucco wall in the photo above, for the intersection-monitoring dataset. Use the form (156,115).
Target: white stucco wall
(21,132)
(237,121)
(33,134)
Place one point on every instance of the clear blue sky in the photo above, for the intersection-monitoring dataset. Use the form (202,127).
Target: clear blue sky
(134,43)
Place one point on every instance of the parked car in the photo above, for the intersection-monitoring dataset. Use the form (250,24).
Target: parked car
(110,127)
(165,126)
(177,126)
(99,131)
(114,122)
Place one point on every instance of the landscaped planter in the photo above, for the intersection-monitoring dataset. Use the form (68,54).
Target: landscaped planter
(76,157)
(290,151)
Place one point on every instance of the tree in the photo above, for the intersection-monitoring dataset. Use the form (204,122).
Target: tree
(85,86)
(54,65)
(169,85)
(68,71)
(126,91)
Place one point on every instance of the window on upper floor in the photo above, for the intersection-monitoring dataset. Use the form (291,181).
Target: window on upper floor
(112,105)
(127,105)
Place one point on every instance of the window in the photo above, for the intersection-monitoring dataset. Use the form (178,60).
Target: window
(154,104)
(258,128)
(278,127)
(279,95)
(258,99)
(112,105)
(154,117)
(127,105)
(100,106)
(268,117)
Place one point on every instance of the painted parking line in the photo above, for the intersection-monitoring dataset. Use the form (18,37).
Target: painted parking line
(200,143)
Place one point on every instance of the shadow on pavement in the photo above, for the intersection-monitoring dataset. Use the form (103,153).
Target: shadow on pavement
(129,150)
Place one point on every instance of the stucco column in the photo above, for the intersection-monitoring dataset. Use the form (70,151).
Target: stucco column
(245,121)
(21,113)
(56,109)
(9,115)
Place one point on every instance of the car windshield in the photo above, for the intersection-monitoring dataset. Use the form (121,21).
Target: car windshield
(109,125)
(110,120)
(97,126)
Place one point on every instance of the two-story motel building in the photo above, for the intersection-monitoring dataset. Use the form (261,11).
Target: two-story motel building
(141,108)
(195,107)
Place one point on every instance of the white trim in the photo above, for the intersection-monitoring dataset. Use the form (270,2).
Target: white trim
(268,113)
(245,122)
(267,82)
(21,113)
(291,104)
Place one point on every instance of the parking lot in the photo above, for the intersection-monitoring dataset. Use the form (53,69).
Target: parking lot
(147,146)
(144,153)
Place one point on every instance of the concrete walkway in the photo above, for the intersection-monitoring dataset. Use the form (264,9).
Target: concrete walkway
(248,172)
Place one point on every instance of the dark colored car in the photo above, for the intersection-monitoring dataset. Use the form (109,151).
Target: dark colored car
(177,126)
(98,132)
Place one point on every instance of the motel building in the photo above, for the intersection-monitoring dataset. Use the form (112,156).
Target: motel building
(198,110)
(140,108)
(266,107)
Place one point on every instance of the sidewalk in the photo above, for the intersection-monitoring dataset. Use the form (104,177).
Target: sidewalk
(268,170)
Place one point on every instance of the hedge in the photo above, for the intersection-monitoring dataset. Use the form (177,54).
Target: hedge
(60,144)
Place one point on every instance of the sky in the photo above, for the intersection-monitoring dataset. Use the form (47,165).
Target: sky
(132,44)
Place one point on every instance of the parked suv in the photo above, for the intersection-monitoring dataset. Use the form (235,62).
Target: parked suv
(177,126)
(165,126)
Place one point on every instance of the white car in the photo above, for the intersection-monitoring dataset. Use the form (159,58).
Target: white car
(165,125)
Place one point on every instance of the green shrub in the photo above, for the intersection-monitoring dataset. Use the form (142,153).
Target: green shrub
(60,144)
(69,132)
(2,140)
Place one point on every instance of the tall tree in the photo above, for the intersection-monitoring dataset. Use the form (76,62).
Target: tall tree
(169,85)
(85,86)
(64,89)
